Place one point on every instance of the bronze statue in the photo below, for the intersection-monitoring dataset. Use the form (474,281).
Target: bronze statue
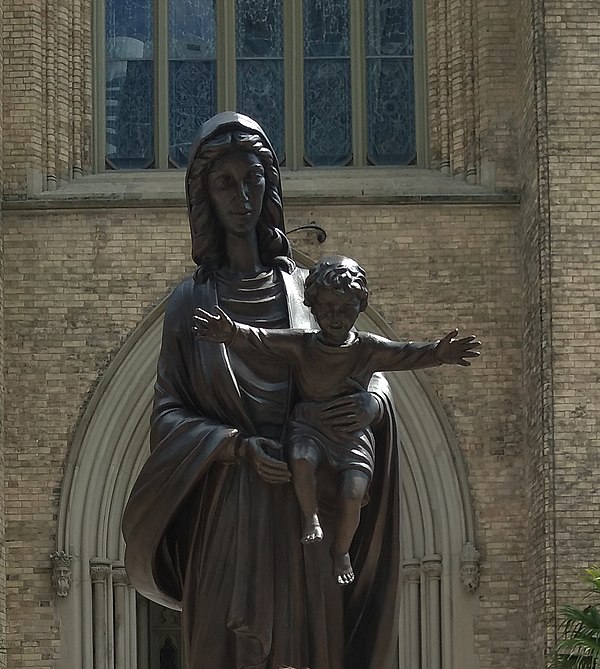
(212,523)
(327,364)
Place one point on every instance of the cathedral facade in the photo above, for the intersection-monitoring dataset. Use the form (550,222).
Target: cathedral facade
(469,192)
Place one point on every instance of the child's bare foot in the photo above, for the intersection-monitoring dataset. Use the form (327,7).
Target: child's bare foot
(312,530)
(342,568)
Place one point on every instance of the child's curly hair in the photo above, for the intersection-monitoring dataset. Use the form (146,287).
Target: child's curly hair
(338,273)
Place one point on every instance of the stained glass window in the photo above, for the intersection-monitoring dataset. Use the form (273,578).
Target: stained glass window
(327,95)
(192,73)
(390,82)
(129,84)
(331,81)
(259,52)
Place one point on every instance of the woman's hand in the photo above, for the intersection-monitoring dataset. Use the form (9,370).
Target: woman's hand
(350,413)
(268,468)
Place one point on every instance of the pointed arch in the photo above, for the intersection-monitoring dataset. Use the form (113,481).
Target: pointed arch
(111,444)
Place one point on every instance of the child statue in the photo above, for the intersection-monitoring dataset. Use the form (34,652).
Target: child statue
(326,364)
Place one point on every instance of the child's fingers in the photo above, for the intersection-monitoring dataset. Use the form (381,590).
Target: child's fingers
(447,338)
(468,340)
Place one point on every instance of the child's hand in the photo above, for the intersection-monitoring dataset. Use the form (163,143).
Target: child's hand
(218,328)
(452,351)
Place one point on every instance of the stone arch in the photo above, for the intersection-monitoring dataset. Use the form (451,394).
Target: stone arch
(98,618)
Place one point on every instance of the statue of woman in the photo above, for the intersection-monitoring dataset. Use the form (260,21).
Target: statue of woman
(212,525)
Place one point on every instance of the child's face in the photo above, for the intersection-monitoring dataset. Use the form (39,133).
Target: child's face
(336,312)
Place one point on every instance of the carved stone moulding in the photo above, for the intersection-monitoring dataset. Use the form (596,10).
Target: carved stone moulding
(100,570)
(432,566)
(411,571)
(119,575)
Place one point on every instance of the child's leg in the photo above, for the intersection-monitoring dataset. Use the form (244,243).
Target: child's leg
(353,486)
(304,460)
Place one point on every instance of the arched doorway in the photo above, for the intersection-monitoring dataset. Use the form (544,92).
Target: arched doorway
(102,626)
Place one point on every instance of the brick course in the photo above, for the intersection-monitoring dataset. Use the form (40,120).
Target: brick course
(2,534)
(573,38)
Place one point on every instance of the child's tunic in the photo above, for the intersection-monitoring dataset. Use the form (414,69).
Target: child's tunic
(322,373)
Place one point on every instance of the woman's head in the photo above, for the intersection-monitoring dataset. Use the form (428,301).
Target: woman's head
(225,136)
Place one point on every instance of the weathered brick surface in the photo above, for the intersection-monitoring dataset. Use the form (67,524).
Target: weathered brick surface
(573,38)
(560,118)
(2,550)
(23,84)
(471,71)
(537,340)
(496,82)
(78,283)
(46,93)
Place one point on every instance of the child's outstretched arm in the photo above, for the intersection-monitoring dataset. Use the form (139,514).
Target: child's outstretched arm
(220,329)
(389,355)
(453,351)
(217,327)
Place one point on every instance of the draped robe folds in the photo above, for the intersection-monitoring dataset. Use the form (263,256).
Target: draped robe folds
(205,534)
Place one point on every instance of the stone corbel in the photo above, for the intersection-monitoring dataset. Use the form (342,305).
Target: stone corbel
(62,573)
(469,567)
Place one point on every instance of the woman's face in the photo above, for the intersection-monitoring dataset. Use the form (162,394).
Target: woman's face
(236,184)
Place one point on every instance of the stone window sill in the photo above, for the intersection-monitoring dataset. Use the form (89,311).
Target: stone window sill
(407,185)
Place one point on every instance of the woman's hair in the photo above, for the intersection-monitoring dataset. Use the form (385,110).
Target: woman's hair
(208,236)
(337,273)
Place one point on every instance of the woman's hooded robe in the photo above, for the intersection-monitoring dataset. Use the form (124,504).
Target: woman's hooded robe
(205,534)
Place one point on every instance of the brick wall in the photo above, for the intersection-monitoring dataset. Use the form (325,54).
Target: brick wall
(573,90)
(2,550)
(537,342)
(77,283)
(560,119)
(47,93)
(495,78)
(24,125)
(471,71)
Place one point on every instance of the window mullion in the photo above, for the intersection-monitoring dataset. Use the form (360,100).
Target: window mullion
(226,56)
(358,69)
(161,84)
(294,83)
(99,90)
